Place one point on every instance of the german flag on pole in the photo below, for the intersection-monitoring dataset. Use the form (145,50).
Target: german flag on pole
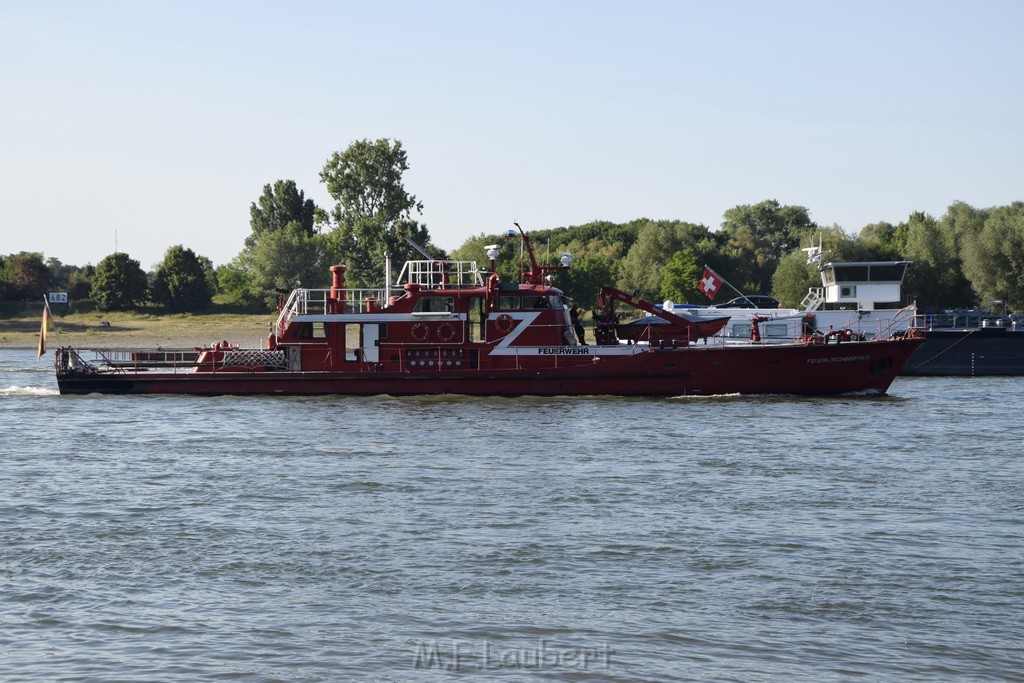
(43,328)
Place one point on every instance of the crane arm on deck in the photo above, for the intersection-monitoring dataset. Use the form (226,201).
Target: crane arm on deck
(697,327)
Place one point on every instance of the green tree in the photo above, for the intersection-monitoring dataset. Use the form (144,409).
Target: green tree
(994,258)
(936,278)
(284,247)
(181,283)
(886,241)
(27,276)
(283,260)
(793,279)
(80,283)
(680,276)
(586,277)
(119,283)
(281,205)
(373,210)
(234,284)
(766,232)
(640,271)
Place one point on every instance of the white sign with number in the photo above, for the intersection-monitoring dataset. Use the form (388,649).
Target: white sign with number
(58,297)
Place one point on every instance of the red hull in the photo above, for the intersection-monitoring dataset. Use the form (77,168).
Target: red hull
(747,369)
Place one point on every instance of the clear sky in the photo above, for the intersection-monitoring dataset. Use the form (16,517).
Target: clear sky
(162,121)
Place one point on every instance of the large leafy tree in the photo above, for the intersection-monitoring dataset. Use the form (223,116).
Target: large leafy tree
(685,268)
(994,258)
(284,247)
(936,278)
(886,241)
(374,212)
(119,283)
(280,206)
(586,277)
(766,232)
(181,283)
(640,271)
(280,260)
(680,277)
(26,276)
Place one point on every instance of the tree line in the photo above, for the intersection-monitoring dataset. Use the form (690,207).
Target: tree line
(966,258)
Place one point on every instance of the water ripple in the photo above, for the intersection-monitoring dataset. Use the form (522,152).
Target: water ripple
(332,538)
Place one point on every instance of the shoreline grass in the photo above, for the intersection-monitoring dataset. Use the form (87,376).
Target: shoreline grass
(130,330)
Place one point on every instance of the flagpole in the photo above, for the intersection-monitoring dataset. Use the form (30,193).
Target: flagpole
(744,296)
(43,328)
(56,332)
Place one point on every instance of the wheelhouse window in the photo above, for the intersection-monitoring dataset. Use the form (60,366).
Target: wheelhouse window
(508,303)
(435,304)
(536,302)
(852,274)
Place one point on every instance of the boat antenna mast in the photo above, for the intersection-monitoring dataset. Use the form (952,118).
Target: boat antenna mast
(417,247)
(537,272)
(814,253)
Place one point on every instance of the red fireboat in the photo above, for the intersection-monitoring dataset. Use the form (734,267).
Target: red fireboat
(451,328)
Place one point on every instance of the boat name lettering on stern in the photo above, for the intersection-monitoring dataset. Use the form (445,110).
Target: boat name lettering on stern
(563,351)
(837,359)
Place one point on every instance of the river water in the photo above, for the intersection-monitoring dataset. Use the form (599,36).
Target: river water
(575,539)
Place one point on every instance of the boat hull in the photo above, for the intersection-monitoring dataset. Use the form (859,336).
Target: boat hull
(696,370)
(970,353)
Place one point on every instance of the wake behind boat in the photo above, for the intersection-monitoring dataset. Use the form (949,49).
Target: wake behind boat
(448,327)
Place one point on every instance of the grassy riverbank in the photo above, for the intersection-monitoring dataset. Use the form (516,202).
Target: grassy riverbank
(134,330)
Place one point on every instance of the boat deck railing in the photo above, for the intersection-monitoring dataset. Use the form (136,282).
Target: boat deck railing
(321,302)
(447,274)
(968,319)
(426,274)
(132,361)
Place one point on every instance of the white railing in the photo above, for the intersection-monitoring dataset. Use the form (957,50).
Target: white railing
(453,274)
(320,302)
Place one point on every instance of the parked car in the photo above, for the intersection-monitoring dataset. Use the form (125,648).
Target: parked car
(754,301)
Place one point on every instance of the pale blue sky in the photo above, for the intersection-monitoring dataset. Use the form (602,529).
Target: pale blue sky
(163,121)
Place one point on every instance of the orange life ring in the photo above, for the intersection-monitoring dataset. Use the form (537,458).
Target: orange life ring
(445,332)
(419,332)
(503,322)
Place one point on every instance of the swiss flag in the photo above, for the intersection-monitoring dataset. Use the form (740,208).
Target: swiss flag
(710,283)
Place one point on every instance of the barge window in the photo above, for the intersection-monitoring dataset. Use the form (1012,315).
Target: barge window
(508,303)
(435,304)
(776,330)
(741,330)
